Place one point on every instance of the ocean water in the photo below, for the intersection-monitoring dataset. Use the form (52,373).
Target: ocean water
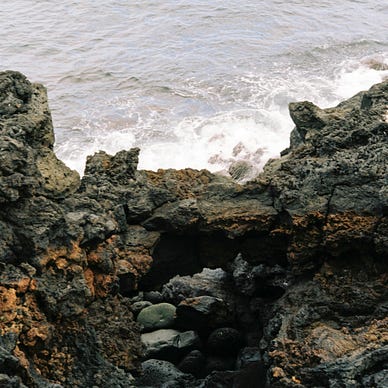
(192,83)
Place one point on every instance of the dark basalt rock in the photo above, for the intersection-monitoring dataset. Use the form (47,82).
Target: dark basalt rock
(194,363)
(219,363)
(15,93)
(297,255)
(158,373)
(202,312)
(169,345)
(225,340)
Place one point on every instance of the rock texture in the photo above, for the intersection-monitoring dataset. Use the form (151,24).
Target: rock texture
(293,262)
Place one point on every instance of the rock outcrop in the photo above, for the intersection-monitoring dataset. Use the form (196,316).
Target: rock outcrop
(280,282)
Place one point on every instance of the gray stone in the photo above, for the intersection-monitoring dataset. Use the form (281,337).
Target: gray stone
(169,344)
(157,316)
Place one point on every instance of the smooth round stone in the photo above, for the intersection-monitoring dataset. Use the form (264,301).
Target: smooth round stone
(157,316)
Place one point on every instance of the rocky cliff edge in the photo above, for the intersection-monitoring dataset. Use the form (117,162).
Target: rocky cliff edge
(305,246)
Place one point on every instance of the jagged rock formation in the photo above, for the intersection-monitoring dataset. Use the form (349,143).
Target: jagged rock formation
(302,249)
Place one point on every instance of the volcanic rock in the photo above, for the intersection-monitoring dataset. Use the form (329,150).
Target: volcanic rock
(159,373)
(311,231)
(202,312)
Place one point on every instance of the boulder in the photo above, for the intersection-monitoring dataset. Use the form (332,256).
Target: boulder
(168,344)
(159,373)
(157,316)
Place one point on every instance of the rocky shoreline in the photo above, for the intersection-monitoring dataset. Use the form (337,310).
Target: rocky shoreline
(183,278)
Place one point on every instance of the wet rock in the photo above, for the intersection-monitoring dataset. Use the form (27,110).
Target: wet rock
(225,340)
(120,167)
(307,117)
(169,344)
(240,170)
(157,316)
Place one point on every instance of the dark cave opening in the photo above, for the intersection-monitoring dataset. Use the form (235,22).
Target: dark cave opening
(177,254)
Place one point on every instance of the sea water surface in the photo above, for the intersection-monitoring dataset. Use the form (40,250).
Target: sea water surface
(195,83)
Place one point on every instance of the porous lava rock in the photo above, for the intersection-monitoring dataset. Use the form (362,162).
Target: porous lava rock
(310,233)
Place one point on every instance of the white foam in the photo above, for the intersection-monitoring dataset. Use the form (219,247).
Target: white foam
(215,143)
(250,121)
(74,153)
(355,76)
